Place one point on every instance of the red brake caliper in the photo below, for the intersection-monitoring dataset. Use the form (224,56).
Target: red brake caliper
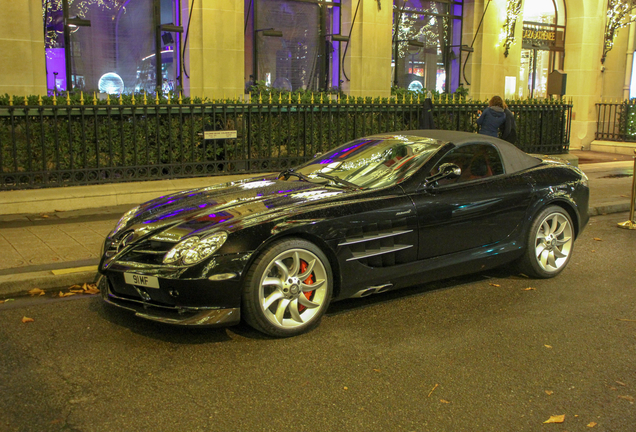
(309,281)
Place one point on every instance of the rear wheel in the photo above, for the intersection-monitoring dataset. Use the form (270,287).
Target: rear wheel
(288,288)
(550,244)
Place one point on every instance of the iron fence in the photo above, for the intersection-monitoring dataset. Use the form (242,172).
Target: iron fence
(59,145)
(616,121)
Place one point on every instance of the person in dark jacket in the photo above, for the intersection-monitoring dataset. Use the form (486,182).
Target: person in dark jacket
(509,128)
(492,118)
(426,118)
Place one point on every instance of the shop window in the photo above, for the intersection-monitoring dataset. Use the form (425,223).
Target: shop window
(114,46)
(290,45)
(426,45)
(542,47)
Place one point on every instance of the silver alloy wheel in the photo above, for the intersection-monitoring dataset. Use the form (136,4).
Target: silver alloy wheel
(553,242)
(293,288)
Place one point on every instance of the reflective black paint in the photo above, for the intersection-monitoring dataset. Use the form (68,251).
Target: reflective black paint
(444,230)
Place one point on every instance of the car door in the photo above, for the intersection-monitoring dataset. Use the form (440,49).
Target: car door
(482,207)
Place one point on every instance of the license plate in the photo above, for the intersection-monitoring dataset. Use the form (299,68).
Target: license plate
(141,280)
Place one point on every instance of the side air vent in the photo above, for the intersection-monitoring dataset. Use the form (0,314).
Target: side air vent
(380,244)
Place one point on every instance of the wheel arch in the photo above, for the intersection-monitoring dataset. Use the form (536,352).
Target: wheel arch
(315,239)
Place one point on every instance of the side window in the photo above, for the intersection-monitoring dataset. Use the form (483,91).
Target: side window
(475,160)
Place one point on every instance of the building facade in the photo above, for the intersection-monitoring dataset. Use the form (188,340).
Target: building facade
(219,48)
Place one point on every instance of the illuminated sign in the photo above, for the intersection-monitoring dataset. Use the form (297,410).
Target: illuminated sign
(541,36)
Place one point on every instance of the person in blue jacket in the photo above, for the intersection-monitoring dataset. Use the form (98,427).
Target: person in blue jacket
(492,118)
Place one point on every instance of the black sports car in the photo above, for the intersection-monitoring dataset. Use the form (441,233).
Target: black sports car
(375,214)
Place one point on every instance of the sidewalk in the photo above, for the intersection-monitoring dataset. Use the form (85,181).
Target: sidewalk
(47,248)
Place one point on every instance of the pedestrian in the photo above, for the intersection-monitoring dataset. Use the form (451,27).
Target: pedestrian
(426,117)
(509,128)
(492,118)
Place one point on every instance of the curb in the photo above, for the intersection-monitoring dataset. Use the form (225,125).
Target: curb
(610,208)
(20,283)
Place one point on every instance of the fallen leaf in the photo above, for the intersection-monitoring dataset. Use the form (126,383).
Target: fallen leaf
(44,216)
(556,419)
(84,287)
(592,424)
(36,291)
(548,346)
(620,383)
(549,392)
(77,291)
(74,287)
(376,370)
(528,289)
(593,251)
(432,390)
(92,291)
(68,294)
(8,300)
(627,398)
(623,319)
(444,401)
(494,284)
(346,388)
(28,320)
(613,388)
(597,239)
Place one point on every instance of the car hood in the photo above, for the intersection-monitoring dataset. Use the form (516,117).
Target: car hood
(227,206)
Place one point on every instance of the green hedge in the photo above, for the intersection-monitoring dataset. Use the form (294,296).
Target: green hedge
(49,145)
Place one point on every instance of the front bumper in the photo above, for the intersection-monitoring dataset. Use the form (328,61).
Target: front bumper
(208,316)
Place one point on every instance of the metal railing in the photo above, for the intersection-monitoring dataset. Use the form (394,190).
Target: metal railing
(616,121)
(59,145)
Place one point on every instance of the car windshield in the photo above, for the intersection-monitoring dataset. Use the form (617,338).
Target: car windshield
(373,162)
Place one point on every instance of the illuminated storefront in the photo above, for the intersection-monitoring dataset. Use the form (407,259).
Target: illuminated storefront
(426,42)
(293,44)
(543,46)
(115,46)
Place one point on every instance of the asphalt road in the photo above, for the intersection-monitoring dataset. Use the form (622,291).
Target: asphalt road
(483,353)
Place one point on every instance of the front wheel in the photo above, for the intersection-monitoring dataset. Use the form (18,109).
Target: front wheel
(288,288)
(550,244)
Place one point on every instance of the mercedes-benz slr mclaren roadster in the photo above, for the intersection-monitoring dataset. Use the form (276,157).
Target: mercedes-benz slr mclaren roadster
(376,214)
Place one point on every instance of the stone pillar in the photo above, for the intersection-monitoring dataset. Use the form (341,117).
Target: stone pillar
(583,51)
(215,52)
(367,63)
(485,66)
(629,59)
(23,67)
(512,63)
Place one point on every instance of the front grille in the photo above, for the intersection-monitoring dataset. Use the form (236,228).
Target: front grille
(147,252)
(150,250)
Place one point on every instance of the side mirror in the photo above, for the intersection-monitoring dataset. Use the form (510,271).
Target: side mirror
(446,171)
(449,171)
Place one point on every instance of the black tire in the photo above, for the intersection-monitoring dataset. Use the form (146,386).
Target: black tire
(276,296)
(549,245)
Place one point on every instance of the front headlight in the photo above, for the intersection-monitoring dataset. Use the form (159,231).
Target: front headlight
(125,219)
(194,249)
